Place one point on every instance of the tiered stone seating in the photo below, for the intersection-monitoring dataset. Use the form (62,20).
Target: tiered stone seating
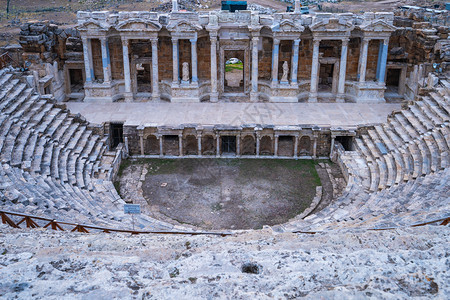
(413,143)
(48,159)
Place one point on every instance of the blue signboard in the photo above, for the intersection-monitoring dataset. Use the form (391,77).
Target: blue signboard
(132,208)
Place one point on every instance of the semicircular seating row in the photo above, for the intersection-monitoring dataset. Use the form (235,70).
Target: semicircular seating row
(399,173)
(49,159)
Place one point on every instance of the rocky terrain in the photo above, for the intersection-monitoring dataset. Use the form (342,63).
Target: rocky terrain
(396,264)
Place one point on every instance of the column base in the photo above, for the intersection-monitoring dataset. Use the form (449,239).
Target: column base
(312,98)
(254,96)
(156,97)
(340,98)
(128,97)
(214,98)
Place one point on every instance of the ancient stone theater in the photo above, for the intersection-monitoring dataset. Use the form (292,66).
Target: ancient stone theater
(363,97)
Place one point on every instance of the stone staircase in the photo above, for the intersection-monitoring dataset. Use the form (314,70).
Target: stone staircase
(50,162)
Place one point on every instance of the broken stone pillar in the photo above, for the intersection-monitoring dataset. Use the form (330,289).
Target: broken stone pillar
(155,75)
(174,5)
(106,61)
(314,72)
(87,53)
(254,91)
(126,70)
(342,71)
(294,72)
(275,55)
(194,60)
(363,59)
(214,93)
(297,6)
(176,63)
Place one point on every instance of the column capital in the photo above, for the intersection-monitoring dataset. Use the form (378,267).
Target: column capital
(193,40)
(255,39)
(345,41)
(154,40)
(316,41)
(297,42)
(125,41)
(103,39)
(180,135)
(175,40)
(386,41)
(276,41)
(84,39)
(365,40)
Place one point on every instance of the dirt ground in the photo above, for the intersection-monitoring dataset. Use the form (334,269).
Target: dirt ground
(222,193)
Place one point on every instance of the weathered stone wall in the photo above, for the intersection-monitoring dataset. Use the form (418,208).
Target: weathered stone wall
(165,58)
(97,59)
(116,55)
(305,60)
(204,58)
(131,133)
(265,59)
(184,47)
(372,59)
(354,47)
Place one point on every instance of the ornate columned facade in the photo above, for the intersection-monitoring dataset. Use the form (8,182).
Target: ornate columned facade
(182,59)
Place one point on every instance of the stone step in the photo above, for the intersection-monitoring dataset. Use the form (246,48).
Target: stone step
(433,151)
(19,148)
(10,87)
(419,114)
(436,109)
(384,138)
(5,79)
(414,121)
(396,127)
(441,102)
(19,102)
(429,113)
(417,160)
(11,98)
(444,151)
(425,156)
(410,131)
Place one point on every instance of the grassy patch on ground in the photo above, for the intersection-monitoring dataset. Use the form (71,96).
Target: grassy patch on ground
(228,192)
(230,67)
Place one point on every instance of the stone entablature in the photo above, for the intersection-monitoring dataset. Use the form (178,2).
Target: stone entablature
(250,140)
(245,30)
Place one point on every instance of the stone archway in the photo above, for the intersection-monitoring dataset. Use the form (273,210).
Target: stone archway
(304,146)
(248,145)
(190,145)
(266,146)
(151,146)
(208,145)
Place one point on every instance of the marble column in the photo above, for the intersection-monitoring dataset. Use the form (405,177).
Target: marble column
(174,5)
(161,150)
(380,54)
(106,62)
(383,61)
(180,144)
(141,142)
(87,53)
(254,91)
(275,61)
(342,71)
(294,69)
(155,70)
(214,94)
(176,63)
(258,144)
(275,151)
(363,59)
(218,145)
(297,6)
(332,145)
(314,72)
(194,60)
(315,147)
(126,70)
(199,144)
(238,145)
(296,146)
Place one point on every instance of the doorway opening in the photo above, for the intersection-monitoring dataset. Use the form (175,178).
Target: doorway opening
(116,134)
(234,71)
(286,145)
(143,78)
(76,80)
(326,73)
(228,144)
(393,80)
(346,142)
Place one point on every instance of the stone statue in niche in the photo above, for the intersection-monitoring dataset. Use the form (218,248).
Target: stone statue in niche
(284,78)
(185,73)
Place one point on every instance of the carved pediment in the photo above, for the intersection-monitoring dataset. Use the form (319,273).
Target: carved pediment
(93,25)
(332,25)
(138,25)
(378,26)
(184,26)
(287,26)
